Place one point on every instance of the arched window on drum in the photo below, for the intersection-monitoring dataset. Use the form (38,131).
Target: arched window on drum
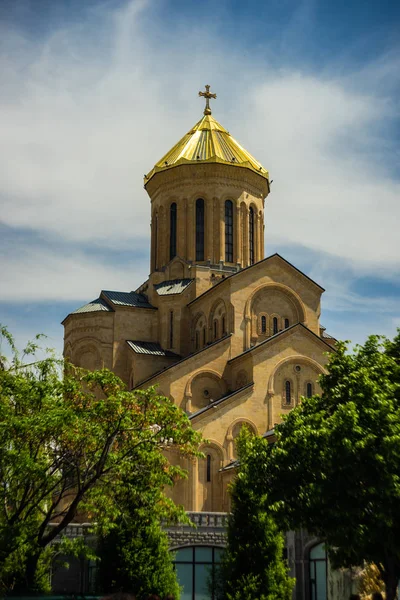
(200,218)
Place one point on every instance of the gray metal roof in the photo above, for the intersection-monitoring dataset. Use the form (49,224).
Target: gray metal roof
(127,299)
(174,286)
(93,306)
(150,348)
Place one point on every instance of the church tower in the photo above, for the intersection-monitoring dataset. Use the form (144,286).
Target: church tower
(231,337)
(207,201)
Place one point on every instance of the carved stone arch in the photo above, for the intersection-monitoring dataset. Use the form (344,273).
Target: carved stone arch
(249,422)
(295,358)
(212,315)
(194,327)
(291,294)
(230,434)
(204,387)
(89,347)
(212,443)
(68,351)
(214,374)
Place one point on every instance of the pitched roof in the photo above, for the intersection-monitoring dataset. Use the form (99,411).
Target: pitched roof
(127,299)
(150,348)
(217,402)
(277,335)
(188,357)
(207,142)
(174,286)
(93,306)
(237,273)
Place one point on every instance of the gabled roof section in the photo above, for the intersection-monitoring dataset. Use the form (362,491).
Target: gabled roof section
(150,349)
(174,286)
(127,299)
(223,399)
(207,142)
(177,364)
(97,305)
(238,273)
(278,335)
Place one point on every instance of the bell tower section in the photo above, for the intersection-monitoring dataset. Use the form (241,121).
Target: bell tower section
(207,201)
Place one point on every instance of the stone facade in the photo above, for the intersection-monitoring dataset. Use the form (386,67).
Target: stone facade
(231,337)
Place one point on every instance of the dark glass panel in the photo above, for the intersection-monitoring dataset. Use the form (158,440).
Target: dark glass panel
(251,235)
(172,231)
(200,229)
(229,231)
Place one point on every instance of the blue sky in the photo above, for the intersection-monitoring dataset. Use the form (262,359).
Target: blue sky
(94,93)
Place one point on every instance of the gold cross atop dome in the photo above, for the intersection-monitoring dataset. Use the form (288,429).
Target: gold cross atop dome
(207,95)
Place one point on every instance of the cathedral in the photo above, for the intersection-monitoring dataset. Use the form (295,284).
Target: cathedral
(232,337)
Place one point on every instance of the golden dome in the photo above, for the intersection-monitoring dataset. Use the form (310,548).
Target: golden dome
(207,142)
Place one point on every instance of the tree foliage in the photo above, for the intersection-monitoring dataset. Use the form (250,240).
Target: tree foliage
(335,467)
(69,441)
(253,565)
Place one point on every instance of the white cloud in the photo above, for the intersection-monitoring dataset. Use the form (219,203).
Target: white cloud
(38,274)
(85,113)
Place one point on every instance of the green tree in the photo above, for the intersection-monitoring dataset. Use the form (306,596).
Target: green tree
(68,440)
(335,466)
(253,565)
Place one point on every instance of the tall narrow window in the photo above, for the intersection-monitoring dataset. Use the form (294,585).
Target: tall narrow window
(215,329)
(208,474)
(172,230)
(286,323)
(155,241)
(197,336)
(229,231)
(223,325)
(251,235)
(204,336)
(263,324)
(200,229)
(171,328)
(287,392)
(275,325)
(309,390)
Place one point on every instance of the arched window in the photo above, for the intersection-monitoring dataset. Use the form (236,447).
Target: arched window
(208,473)
(223,325)
(286,323)
(318,575)
(200,229)
(288,390)
(171,328)
(229,231)
(275,325)
(204,336)
(251,235)
(172,230)
(215,329)
(309,390)
(155,241)
(263,324)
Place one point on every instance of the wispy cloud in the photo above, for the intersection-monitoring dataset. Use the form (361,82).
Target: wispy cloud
(87,110)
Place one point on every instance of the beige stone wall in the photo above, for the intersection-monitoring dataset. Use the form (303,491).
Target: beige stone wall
(223,325)
(214,183)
